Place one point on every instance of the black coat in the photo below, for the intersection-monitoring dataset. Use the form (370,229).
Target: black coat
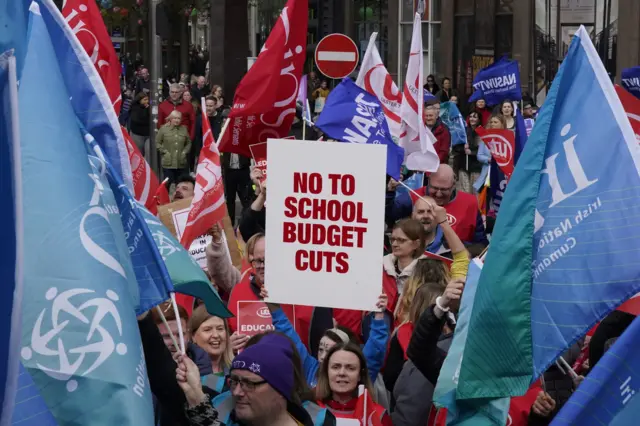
(140,119)
(423,348)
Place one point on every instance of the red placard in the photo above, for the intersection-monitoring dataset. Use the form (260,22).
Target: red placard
(259,154)
(337,56)
(253,318)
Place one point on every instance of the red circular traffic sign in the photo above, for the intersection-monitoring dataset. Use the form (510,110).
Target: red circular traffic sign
(337,56)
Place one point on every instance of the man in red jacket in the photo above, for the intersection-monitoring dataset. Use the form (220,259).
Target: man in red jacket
(440,131)
(175,102)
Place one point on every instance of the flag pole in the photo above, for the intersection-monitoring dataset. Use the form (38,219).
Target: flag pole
(412,191)
(304,129)
(222,132)
(178,323)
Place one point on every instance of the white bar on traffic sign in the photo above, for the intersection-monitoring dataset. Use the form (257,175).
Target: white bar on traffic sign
(337,56)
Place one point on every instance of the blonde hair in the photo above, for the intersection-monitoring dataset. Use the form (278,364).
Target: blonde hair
(430,273)
(323,388)
(199,316)
(174,114)
(251,245)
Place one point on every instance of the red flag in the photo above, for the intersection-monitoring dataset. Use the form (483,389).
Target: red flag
(208,206)
(367,411)
(85,20)
(631,306)
(162,194)
(502,144)
(265,101)
(145,182)
(631,106)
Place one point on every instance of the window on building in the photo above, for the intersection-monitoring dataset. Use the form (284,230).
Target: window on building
(431,23)
(371,16)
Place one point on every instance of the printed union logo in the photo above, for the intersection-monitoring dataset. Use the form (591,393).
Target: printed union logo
(452,219)
(501,150)
(63,357)
(263,312)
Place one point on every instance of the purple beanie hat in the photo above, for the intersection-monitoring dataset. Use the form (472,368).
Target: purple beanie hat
(271,359)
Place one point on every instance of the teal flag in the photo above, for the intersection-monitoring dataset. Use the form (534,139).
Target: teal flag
(470,412)
(185,273)
(80,342)
(564,253)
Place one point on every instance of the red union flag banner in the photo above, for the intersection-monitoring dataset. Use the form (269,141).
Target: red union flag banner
(145,182)
(265,101)
(208,206)
(631,106)
(375,79)
(502,145)
(254,318)
(84,18)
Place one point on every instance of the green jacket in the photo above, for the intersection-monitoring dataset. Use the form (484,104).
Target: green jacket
(173,144)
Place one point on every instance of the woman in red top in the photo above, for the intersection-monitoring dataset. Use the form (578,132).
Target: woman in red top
(343,371)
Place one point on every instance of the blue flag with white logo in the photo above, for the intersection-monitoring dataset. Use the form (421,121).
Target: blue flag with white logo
(611,390)
(87,93)
(497,82)
(451,116)
(80,342)
(631,80)
(351,114)
(150,270)
(563,253)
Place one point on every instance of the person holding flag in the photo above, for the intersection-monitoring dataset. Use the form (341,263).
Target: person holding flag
(466,164)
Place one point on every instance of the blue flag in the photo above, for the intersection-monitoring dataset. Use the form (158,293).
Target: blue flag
(631,80)
(11,259)
(87,93)
(415,182)
(151,273)
(351,114)
(562,248)
(497,82)
(450,115)
(80,340)
(429,97)
(611,390)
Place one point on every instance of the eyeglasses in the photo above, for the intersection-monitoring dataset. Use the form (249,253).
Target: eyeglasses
(257,262)
(245,385)
(398,240)
(435,189)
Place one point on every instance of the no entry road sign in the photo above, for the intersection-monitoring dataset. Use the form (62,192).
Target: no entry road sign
(337,56)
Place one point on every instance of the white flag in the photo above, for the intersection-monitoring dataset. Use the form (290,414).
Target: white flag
(416,139)
(375,79)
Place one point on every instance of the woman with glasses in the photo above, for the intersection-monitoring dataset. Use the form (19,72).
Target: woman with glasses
(341,376)
(430,85)
(408,242)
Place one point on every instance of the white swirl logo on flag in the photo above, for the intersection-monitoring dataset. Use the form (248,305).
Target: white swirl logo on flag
(62,359)
(501,150)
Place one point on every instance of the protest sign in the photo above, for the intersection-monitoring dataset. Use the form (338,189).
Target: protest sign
(253,317)
(259,154)
(181,208)
(326,222)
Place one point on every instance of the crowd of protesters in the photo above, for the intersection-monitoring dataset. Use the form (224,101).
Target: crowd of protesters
(318,365)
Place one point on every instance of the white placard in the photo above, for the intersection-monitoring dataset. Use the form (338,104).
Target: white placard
(325,223)
(198,247)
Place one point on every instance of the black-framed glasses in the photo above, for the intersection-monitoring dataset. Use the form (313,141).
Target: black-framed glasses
(435,189)
(257,262)
(245,384)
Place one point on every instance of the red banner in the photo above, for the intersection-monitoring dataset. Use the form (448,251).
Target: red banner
(145,182)
(631,106)
(253,318)
(84,18)
(265,101)
(208,206)
(502,144)
(259,155)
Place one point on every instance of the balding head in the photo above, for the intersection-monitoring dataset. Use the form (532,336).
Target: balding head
(201,82)
(441,184)
(425,214)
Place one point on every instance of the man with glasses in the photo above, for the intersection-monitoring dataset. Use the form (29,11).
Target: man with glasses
(462,208)
(175,102)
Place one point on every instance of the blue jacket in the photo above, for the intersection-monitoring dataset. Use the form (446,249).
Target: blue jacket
(374,350)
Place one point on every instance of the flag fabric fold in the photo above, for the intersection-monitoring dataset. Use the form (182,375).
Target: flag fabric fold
(375,79)
(497,82)
(562,228)
(265,100)
(631,106)
(610,394)
(416,139)
(145,182)
(208,205)
(452,118)
(80,338)
(87,92)
(87,24)
(353,115)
